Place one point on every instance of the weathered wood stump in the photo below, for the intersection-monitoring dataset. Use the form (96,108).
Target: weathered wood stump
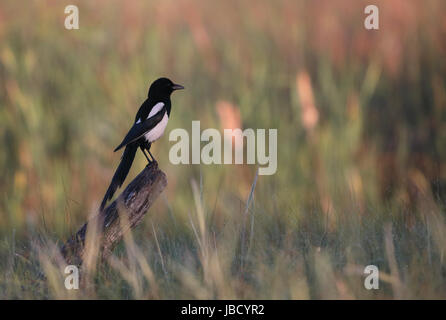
(133,202)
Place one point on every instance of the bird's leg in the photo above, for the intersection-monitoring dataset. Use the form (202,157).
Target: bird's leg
(147,146)
(142,149)
(151,155)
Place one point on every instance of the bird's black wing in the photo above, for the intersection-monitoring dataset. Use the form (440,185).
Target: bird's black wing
(139,129)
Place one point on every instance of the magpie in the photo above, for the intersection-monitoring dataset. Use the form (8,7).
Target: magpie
(150,122)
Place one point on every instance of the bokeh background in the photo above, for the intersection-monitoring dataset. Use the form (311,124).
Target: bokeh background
(361,119)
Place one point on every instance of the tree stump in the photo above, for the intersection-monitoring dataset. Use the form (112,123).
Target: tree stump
(133,202)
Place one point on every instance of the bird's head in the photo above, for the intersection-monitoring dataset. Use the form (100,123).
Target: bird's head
(162,88)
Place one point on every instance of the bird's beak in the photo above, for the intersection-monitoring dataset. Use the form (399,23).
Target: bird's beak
(177,87)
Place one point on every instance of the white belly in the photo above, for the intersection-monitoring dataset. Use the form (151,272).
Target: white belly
(158,130)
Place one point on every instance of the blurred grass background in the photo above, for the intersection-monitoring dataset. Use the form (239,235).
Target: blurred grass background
(361,125)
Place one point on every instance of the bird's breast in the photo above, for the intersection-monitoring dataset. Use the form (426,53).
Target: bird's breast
(158,130)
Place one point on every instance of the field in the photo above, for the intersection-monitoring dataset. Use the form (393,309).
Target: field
(361,173)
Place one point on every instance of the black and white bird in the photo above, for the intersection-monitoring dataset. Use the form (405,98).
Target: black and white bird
(150,122)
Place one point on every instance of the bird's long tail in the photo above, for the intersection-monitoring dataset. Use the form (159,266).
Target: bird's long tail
(121,172)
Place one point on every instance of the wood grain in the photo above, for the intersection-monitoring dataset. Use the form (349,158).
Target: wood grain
(133,202)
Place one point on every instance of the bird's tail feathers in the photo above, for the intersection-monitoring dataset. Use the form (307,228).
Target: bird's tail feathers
(121,172)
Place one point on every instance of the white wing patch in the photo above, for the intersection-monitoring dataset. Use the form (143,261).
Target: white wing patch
(156,108)
(139,121)
(158,130)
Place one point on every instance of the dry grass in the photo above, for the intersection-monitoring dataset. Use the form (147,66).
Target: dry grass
(360,115)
